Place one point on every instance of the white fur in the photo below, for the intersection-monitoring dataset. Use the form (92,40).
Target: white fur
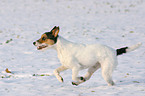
(132,48)
(81,56)
(77,57)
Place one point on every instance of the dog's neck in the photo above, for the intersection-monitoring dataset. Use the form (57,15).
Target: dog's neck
(60,39)
(61,43)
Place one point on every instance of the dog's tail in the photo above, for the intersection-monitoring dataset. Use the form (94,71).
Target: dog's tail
(127,49)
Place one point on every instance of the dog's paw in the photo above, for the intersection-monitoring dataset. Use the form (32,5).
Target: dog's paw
(111,84)
(75,83)
(82,79)
(60,79)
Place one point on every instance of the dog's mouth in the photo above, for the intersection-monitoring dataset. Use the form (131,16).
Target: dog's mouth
(42,47)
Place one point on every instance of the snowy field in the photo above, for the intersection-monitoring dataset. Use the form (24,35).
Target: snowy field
(116,23)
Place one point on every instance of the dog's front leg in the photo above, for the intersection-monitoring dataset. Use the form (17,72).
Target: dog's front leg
(57,71)
(75,77)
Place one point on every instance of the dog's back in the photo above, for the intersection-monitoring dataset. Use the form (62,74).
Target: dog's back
(85,54)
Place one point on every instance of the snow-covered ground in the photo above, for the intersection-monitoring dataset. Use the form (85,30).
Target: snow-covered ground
(116,23)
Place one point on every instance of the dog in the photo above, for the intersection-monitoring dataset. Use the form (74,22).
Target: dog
(77,57)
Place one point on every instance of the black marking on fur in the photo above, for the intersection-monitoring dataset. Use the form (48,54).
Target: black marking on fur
(82,78)
(62,79)
(73,83)
(121,50)
(50,36)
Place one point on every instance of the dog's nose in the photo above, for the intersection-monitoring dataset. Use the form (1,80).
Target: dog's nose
(34,43)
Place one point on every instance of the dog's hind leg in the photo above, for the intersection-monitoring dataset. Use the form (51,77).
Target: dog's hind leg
(91,70)
(88,75)
(57,71)
(107,74)
(108,78)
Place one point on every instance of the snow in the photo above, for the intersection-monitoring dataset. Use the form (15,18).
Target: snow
(116,23)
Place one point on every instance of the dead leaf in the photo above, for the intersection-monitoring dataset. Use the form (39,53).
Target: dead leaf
(7,70)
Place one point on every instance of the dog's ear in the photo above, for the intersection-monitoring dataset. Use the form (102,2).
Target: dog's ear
(55,31)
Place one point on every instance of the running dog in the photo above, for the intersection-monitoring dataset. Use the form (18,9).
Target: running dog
(77,57)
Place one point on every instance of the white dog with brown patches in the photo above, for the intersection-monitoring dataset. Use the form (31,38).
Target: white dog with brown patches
(76,56)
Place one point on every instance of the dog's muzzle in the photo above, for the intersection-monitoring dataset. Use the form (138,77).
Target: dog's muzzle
(40,46)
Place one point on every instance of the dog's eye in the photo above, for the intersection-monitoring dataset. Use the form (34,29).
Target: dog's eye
(43,38)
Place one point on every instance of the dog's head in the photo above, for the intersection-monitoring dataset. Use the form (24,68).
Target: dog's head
(47,39)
